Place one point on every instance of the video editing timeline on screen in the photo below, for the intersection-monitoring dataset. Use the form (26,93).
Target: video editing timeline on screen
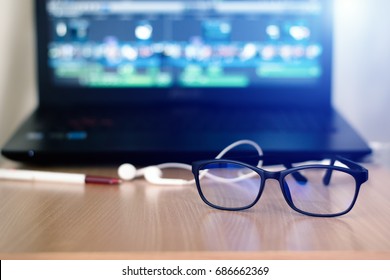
(183,43)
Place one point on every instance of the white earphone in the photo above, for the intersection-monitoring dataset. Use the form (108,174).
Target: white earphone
(153,174)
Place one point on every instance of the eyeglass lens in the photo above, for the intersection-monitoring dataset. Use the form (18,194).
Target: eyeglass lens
(317,196)
(232,186)
(229,185)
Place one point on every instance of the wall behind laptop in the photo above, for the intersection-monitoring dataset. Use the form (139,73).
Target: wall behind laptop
(362,65)
(17,88)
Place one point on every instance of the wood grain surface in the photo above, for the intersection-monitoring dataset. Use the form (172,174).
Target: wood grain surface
(137,220)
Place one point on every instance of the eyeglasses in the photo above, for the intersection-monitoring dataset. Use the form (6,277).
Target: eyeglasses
(317,190)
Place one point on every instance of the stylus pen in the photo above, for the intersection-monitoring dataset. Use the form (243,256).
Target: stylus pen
(43,176)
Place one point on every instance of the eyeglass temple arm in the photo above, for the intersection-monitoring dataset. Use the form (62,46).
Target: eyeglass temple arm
(297,176)
(350,164)
(328,174)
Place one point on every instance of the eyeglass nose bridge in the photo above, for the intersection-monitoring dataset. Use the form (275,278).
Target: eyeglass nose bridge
(271,175)
(277,175)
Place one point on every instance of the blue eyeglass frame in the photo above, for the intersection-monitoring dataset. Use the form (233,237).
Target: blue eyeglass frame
(358,172)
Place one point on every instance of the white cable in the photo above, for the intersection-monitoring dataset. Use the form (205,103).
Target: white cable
(243,142)
(219,156)
(153,174)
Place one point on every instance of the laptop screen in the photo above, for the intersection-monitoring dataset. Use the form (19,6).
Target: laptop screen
(163,49)
(184,44)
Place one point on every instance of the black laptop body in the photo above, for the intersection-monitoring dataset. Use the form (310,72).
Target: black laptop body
(157,81)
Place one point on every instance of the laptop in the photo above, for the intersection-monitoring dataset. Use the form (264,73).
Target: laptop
(152,81)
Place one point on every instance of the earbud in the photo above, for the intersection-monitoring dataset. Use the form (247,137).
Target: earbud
(127,172)
(153,174)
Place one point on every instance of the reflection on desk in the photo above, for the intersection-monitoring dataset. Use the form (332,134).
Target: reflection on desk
(137,220)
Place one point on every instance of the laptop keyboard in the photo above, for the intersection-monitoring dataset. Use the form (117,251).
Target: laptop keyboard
(273,121)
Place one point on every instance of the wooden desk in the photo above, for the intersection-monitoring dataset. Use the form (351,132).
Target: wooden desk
(141,221)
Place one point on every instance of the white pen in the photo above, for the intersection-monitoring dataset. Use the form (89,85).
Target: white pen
(44,176)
